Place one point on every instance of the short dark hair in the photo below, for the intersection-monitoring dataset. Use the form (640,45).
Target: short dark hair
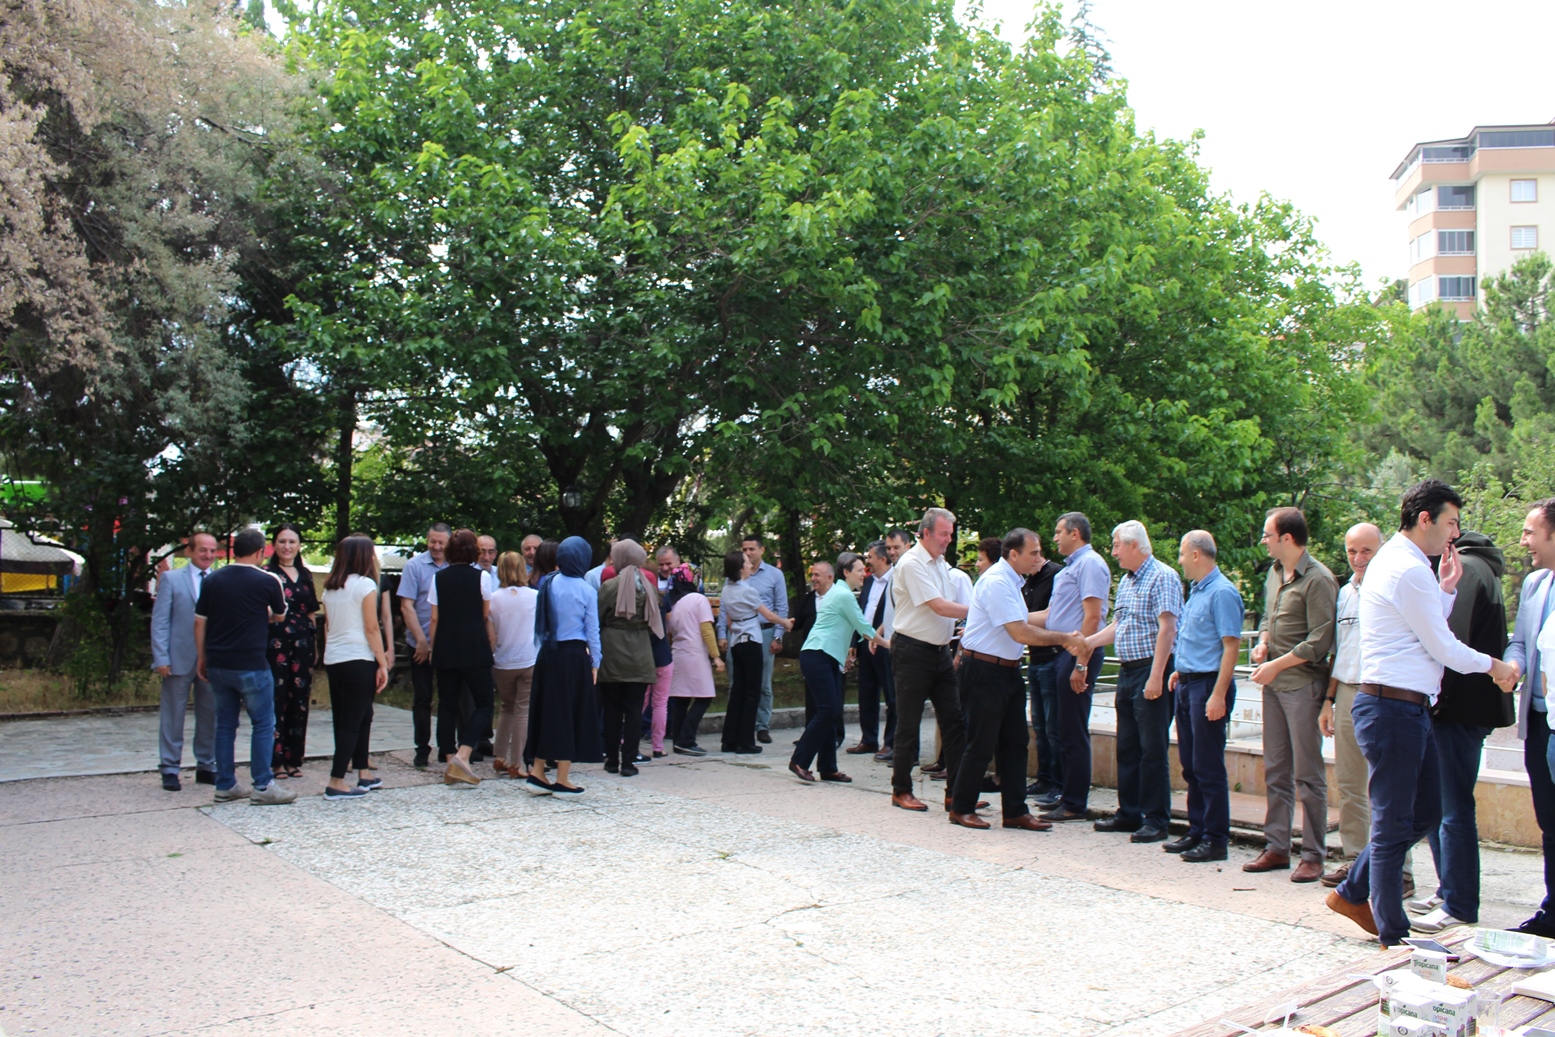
(988,547)
(439,527)
(877,548)
(1430,496)
(1015,540)
(462,548)
(627,534)
(545,557)
(901,534)
(247,542)
(1546,510)
(354,556)
(1292,523)
(1076,522)
(846,561)
(734,565)
(753,538)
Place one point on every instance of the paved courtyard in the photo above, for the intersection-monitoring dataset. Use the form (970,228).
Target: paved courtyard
(701,898)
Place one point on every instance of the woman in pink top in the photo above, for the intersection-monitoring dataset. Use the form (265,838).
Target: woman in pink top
(689,628)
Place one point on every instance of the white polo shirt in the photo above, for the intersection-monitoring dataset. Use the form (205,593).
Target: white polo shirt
(996,600)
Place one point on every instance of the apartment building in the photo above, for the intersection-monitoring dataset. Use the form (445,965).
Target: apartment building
(1476,205)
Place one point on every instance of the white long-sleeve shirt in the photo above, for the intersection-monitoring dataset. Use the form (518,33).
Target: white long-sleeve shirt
(1405,641)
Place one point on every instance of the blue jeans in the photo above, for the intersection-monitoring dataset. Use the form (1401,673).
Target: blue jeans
(1455,843)
(1043,682)
(1539,759)
(255,690)
(823,680)
(1201,748)
(1144,775)
(1406,803)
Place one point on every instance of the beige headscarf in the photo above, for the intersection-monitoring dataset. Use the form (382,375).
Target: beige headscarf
(628,557)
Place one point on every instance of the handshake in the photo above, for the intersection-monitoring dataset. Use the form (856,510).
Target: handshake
(1506,675)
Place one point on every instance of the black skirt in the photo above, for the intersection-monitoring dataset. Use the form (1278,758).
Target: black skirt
(564,717)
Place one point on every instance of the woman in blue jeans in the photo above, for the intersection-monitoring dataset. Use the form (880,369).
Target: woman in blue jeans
(825,651)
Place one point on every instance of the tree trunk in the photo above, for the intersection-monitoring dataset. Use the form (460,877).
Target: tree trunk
(344,460)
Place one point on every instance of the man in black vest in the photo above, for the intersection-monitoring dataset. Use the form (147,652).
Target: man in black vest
(874,664)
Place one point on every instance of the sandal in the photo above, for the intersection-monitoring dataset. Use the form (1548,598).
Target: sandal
(294,772)
(498,765)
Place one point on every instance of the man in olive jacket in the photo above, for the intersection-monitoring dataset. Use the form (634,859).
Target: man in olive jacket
(1469,708)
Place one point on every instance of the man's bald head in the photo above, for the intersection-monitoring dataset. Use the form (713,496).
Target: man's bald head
(1362,542)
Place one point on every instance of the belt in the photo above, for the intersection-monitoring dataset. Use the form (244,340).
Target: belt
(1199,676)
(1387,691)
(768,626)
(1011,663)
(915,643)
(1135,664)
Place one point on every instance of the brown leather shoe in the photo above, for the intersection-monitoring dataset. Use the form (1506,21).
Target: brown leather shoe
(950,801)
(836,776)
(861,748)
(1307,871)
(968,820)
(1337,876)
(1360,914)
(1268,860)
(1027,822)
(907,801)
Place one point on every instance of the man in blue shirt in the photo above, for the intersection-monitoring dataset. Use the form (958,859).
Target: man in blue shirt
(1080,592)
(1209,637)
(415,585)
(768,581)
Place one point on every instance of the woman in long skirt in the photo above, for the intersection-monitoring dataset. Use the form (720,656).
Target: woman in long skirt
(291,651)
(564,718)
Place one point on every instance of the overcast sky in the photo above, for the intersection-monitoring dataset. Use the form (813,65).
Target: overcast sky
(1318,102)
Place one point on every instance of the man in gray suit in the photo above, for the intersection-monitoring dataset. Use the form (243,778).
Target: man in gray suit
(173,658)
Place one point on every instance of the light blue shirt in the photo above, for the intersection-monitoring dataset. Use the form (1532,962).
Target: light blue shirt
(772,592)
(996,600)
(1085,575)
(576,607)
(837,619)
(416,584)
(1213,611)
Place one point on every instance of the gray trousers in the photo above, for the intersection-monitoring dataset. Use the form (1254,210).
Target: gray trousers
(1351,774)
(764,708)
(175,704)
(1293,769)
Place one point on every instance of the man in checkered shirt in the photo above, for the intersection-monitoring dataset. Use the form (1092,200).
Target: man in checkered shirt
(1143,628)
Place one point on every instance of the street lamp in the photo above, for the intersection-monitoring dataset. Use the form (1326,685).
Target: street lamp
(572,498)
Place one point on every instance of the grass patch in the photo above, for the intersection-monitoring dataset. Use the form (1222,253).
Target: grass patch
(42,691)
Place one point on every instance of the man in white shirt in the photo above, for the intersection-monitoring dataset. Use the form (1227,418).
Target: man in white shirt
(1405,643)
(921,591)
(1533,722)
(998,628)
(875,680)
(1361,543)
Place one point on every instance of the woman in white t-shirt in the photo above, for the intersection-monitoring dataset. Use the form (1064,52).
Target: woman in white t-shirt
(513,661)
(355,660)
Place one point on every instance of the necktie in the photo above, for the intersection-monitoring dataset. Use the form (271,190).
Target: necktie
(199,585)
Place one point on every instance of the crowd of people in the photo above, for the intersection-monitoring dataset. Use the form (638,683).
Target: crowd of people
(1408,666)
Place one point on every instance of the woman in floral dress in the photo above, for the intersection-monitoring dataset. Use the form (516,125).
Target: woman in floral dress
(292,651)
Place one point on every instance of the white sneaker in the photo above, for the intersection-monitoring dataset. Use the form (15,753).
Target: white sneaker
(235,792)
(1435,922)
(1423,905)
(271,795)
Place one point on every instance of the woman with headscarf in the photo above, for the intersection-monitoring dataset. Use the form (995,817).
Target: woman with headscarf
(690,633)
(563,704)
(628,613)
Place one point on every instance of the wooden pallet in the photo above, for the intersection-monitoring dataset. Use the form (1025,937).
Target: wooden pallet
(1349,1005)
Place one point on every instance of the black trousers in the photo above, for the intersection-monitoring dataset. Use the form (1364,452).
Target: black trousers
(351,702)
(823,680)
(1074,729)
(422,691)
(454,730)
(925,673)
(623,706)
(684,719)
(875,681)
(995,700)
(744,696)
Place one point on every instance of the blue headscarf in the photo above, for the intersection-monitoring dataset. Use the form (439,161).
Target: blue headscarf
(572,559)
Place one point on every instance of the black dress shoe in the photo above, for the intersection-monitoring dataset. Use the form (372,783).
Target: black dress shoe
(748,750)
(1117,823)
(170,783)
(1049,800)
(1541,924)
(1060,814)
(1036,788)
(629,770)
(421,761)
(886,754)
(989,784)
(640,758)
(1205,852)
(1182,845)
(204,777)
(1148,835)
(764,737)
(612,767)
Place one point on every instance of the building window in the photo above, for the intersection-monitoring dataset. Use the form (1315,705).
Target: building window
(1455,197)
(1421,202)
(1517,139)
(1420,293)
(1455,289)
(1455,242)
(1525,237)
(1525,190)
(1422,247)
